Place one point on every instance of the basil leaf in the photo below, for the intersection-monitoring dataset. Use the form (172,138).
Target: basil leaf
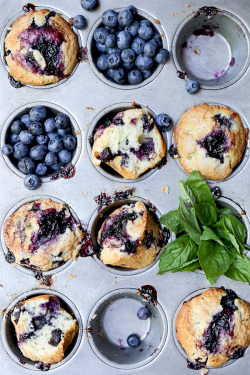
(186,193)
(177,253)
(215,259)
(239,270)
(247,247)
(209,234)
(190,266)
(224,211)
(200,188)
(172,222)
(189,221)
(234,226)
(206,213)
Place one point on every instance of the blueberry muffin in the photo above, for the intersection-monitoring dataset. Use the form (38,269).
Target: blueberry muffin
(211,140)
(44,330)
(42,235)
(130,237)
(213,327)
(41,48)
(131,144)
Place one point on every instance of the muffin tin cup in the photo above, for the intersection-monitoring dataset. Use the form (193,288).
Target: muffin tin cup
(156,72)
(104,169)
(2,49)
(110,325)
(245,156)
(223,45)
(28,270)
(177,343)
(8,332)
(55,109)
(95,224)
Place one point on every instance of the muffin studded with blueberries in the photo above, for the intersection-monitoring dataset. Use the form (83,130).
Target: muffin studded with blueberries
(42,235)
(211,140)
(41,48)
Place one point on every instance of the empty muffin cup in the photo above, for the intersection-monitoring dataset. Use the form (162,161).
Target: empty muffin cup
(9,337)
(212,46)
(114,318)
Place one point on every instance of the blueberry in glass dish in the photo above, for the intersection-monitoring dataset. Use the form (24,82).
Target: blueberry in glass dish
(44,330)
(40,48)
(42,235)
(133,40)
(213,328)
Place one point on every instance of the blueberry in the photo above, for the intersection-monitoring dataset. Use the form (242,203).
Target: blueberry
(110,18)
(31,182)
(58,166)
(89,4)
(145,31)
(146,73)
(102,47)
(79,22)
(163,121)
(132,9)
(102,62)
(55,145)
(50,159)
(65,156)
(39,321)
(20,150)
(53,136)
(110,73)
(134,77)
(7,150)
(192,85)
(41,169)
(63,132)
(113,50)
(110,41)
(129,66)
(38,152)
(114,60)
(56,336)
(143,313)
(162,56)
(145,22)
(138,45)
(133,28)
(119,75)
(26,120)
(125,18)
(26,165)
(41,139)
(38,113)
(124,40)
(144,62)
(36,128)
(150,48)
(50,125)
(100,35)
(133,341)
(14,138)
(17,126)
(158,39)
(26,137)
(62,121)
(128,56)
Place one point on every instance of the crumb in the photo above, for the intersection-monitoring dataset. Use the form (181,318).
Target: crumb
(90,108)
(13,265)
(156,21)
(205,371)
(90,59)
(161,35)
(1,286)
(70,21)
(88,337)
(183,11)
(173,15)
(87,124)
(193,11)
(196,51)
(165,189)
(77,132)
(115,282)
(3,311)
(188,5)
(243,212)
(72,276)
(132,104)
(94,316)
(186,16)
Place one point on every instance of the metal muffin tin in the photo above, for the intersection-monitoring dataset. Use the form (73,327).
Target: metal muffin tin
(84,95)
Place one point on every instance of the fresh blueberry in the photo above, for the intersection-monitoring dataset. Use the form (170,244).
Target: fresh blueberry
(50,125)
(145,22)
(79,22)
(89,4)
(192,85)
(20,150)
(144,313)
(114,60)
(36,128)
(132,9)
(38,152)
(113,50)
(133,28)
(162,56)
(17,126)
(128,56)
(41,169)
(138,45)
(38,113)
(69,142)
(110,73)
(110,41)
(133,341)
(26,120)
(50,159)
(134,77)
(63,132)
(110,18)
(146,73)
(100,35)
(124,40)
(119,75)
(26,137)
(31,182)
(102,62)
(58,166)
(163,121)
(26,165)
(7,150)
(158,39)
(65,156)
(144,62)
(55,145)
(41,139)
(102,47)
(145,31)
(150,48)
(53,136)
(14,138)
(129,66)
(62,121)
(125,17)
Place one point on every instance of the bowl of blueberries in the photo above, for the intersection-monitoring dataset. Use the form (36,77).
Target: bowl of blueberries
(127,48)
(41,142)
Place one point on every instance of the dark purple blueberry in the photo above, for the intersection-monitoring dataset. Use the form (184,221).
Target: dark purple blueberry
(17,126)
(110,41)
(216,144)
(50,125)
(110,18)
(26,165)
(238,353)
(192,85)
(10,257)
(106,155)
(62,121)
(100,35)
(195,365)
(63,132)
(216,192)
(144,62)
(7,150)
(147,125)
(41,169)
(173,151)
(31,182)
(133,340)
(162,56)
(41,139)
(149,293)
(102,62)
(133,28)
(145,31)
(148,239)
(69,142)
(36,128)
(26,120)
(144,313)
(39,322)
(54,303)
(14,138)
(144,150)
(79,22)
(222,120)
(128,56)
(163,121)
(123,39)
(25,261)
(38,152)
(89,4)
(55,145)
(65,156)
(125,17)
(38,113)
(16,314)
(56,336)
(119,76)
(51,158)
(42,366)
(20,150)
(138,45)
(26,137)
(135,77)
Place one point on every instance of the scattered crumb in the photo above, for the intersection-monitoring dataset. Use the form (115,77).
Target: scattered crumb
(70,21)
(161,35)
(156,21)
(3,311)
(165,189)
(90,108)
(1,286)
(188,5)
(13,265)
(9,28)
(205,371)
(183,11)
(72,276)
(88,337)
(193,11)
(87,124)
(196,51)
(186,16)
(115,282)
(173,15)
(243,212)
(132,104)
(77,132)
(94,316)
(90,59)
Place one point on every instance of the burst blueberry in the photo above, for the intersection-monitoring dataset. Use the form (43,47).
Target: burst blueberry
(192,85)
(110,18)
(38,113)
(162,56)
(26,165)
(134,77)
(26,137)
(133,341)
(89,4)
(31,182)
(125,18)
(163,121)
(144,313)
(79,22)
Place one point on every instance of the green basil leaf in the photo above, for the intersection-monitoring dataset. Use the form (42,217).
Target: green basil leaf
(247,247)
(239,270)
(186,193)
(209,234)
(189,221)
(172,222)
(224,211)
(206,213)
(215,259)
(234,226)
(177,253)
(200,188)
(190,266)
